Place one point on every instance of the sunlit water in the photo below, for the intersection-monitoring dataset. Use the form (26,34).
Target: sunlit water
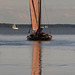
(57,56)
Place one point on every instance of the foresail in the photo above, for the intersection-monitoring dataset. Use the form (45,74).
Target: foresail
(35,8)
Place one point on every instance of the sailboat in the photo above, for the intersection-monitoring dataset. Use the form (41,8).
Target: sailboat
(37,30)
(14,27)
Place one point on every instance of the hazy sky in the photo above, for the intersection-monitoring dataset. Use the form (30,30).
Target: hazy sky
(58,11)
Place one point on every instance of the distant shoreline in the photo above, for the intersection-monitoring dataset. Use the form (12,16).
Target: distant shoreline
(8,24)
(24,28)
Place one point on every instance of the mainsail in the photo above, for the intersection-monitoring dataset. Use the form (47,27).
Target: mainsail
(35,8)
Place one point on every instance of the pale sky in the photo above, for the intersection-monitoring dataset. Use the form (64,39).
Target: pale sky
(18,11)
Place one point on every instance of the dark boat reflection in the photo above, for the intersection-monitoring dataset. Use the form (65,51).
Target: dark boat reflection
(36,60)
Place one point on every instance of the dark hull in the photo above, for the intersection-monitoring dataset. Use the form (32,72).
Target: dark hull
(40,38)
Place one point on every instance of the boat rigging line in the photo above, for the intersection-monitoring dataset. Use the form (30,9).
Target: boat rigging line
(45,11)
(30,28)
(46,14)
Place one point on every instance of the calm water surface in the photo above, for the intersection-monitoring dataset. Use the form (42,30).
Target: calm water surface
(18,56)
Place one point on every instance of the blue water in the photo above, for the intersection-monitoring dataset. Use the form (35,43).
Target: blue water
(23,29)
(57,55)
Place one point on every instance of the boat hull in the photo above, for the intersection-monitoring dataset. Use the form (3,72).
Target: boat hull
(39,38)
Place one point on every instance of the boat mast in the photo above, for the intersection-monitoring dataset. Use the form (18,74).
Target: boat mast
(39,13)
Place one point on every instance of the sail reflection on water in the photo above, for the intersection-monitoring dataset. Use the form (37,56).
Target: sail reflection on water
(36,61)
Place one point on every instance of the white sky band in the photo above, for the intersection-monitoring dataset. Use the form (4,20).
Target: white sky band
(17,11)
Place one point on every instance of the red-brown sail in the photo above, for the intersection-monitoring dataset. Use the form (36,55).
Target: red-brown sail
(35,8)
